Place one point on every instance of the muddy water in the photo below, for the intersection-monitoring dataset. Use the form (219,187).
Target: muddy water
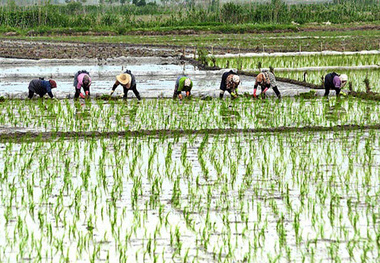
(155,77)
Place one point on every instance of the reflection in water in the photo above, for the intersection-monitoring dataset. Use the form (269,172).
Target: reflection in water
(334,110)
(230,115)
(82,109)
(83,113)
(133,112)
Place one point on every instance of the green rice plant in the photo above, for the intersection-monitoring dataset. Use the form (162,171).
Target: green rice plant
(293,189)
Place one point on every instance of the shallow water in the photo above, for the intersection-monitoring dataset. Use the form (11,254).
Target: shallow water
(155,77)
(192,115)
(219,198)
(230,197)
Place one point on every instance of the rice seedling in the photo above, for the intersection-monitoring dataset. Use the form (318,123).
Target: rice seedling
(289,186)
(312,68)
(252,115)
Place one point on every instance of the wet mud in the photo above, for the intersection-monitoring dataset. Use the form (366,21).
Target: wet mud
(8,134)
(366,95)
(62,50)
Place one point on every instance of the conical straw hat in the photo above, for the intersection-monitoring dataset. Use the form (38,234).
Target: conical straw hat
(124,78)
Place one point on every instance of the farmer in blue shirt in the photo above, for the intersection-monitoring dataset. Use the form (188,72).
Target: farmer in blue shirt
(41,87)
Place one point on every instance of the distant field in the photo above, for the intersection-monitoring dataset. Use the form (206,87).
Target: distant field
(95,2)
(349,38)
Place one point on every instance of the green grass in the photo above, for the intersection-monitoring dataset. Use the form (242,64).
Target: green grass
(120,18)
(310,41)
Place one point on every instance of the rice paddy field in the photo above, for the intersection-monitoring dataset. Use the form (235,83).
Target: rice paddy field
(358,66)
(198,180)
(182,192)
(166,115)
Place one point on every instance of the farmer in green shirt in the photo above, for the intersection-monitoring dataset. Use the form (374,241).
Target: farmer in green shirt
(183,83)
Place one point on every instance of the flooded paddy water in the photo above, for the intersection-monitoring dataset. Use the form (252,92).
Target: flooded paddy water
(292,197)
(156,115)
(295,180)
(155,77)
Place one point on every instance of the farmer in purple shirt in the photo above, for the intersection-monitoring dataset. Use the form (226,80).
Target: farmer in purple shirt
(334,81)
(82,79)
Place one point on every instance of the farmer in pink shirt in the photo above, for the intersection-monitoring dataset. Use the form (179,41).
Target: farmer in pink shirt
(82,79)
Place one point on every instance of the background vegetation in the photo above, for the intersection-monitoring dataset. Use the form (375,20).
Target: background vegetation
(128,17)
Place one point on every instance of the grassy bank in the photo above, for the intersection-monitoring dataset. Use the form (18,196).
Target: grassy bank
(223,18)
(347,25)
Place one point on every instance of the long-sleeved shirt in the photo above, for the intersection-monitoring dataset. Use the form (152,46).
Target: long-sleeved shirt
(227,83)
(41,87)
(336,81)
(332,80)
(181,84)
(132,87)
(266,79)
(80,80)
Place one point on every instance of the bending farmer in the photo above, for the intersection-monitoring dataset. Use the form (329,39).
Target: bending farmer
(230,82)
(41,87)
(183,83)
(82,79)
(128,82)
(266,80)
(334,81)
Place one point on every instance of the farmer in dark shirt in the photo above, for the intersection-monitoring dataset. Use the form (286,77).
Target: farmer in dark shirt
(334,81)
(230,82)
(128,82)
(41,87)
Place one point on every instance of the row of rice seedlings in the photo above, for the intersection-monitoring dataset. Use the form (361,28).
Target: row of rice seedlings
(356,77)
(319,60)
(254,197)
(194,114)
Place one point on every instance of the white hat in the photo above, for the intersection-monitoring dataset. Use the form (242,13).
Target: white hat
(343,77)
(187,82)
(236,79)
